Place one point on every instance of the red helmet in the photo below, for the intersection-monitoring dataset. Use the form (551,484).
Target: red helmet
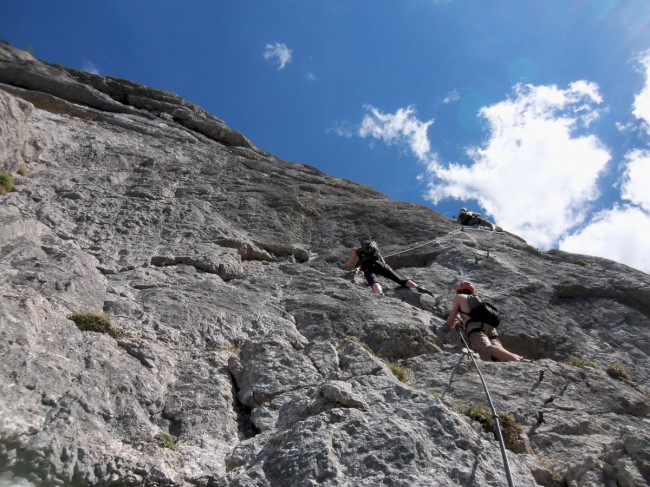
(465,286)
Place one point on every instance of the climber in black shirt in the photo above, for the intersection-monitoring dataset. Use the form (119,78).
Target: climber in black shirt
(371,262)
(471,218)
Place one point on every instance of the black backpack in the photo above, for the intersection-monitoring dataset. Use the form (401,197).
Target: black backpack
(465,217)
(484,312)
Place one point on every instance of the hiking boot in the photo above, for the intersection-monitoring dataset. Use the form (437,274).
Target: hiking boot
(424,290)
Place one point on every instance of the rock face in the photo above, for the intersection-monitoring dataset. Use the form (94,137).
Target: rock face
(241,352)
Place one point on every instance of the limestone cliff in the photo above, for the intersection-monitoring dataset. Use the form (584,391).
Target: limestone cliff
(238,350)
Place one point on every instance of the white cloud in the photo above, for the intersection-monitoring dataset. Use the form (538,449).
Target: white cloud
(343,129)
(310,76)
(619,234)
(278,52)
(452,96)
(641,107)
(401,127)
(636,177)
(533,175)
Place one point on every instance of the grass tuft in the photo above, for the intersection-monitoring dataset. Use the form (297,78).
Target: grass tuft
(98,322)
(166,441)
(619,372)
(479,413)
(234,349)
(582,362)
(510,428)
(6,182)
(398,371)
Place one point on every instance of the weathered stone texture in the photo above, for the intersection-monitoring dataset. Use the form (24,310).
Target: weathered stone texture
(239,334)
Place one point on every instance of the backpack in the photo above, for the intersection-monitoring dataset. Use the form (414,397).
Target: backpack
(465,217)
(484,312)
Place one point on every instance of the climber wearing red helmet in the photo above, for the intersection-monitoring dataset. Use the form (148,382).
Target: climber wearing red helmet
(483,338)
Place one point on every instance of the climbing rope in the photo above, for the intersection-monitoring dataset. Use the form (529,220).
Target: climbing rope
(425,243)
(357,271)
(462,229)
(497,423)
(472,229)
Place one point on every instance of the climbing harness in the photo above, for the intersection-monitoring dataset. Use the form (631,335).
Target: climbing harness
(495,416)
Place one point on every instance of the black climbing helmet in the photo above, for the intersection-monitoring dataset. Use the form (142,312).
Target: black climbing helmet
(369,246)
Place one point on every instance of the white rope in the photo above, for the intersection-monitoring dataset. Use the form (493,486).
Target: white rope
(426,243)
(462,229)
(472,229)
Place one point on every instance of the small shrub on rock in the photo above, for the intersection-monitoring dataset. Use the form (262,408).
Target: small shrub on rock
(511,430)
(6,182)
(22,170)
(166,441)
(97,322)
(480,414)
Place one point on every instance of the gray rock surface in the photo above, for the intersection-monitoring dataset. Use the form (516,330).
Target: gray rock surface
(243,338)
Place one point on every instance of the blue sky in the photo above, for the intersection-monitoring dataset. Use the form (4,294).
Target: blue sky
(535,113)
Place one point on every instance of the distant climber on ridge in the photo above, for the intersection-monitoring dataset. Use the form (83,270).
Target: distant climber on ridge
(483,338)
(371,262)
(471,218)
